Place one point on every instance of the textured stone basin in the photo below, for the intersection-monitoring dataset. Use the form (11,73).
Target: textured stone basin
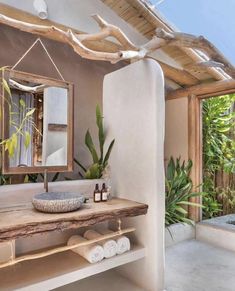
(57,202)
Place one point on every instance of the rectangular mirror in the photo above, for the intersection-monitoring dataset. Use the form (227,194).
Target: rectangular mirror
(37,124)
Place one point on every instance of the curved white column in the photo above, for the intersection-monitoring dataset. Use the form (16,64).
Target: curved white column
(134,113)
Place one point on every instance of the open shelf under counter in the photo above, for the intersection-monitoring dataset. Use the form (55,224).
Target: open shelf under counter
(24,220)
(102,282)
(60,269)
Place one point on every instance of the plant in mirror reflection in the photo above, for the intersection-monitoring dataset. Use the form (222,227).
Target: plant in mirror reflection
(100,162)
(17,129)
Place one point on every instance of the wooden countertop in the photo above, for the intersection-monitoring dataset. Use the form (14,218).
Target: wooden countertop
(24,220)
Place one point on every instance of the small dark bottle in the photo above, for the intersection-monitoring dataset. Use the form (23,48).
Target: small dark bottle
(97,194)
(104,193)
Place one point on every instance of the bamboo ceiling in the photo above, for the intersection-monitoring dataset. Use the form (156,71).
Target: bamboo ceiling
(139,14)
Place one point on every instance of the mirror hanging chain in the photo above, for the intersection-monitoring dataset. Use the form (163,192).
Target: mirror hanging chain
(48,54)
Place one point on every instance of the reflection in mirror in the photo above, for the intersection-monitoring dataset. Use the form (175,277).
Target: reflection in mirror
(41,109)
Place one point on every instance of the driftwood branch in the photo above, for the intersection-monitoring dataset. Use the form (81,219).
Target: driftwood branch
(127,50)
(30,89)
(76,41)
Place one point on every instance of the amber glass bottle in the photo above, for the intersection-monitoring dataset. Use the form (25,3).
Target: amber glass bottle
(104,193)
(97,194)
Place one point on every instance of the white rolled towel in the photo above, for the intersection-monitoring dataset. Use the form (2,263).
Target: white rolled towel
(93,253)
(109,245)
(123,242)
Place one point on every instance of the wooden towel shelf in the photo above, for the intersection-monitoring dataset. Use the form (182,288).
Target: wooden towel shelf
(56,250)
(23,220)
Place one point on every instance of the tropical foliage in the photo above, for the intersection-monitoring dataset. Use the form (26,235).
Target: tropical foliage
(19,129)
(178,192)
(100,161)
(218,151)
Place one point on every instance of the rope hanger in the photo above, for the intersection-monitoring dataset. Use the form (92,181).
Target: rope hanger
(49,56)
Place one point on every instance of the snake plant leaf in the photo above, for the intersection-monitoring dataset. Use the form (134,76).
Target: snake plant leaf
(93,172)
(96,170)
(99,122)
(89,143)
(106,158)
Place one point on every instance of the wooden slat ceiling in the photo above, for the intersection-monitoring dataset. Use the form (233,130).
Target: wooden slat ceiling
(132,13)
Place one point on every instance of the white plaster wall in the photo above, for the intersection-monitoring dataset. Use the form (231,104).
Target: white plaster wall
(176,139)
(134,113)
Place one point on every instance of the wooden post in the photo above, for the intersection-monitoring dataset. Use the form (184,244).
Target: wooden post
(194,151)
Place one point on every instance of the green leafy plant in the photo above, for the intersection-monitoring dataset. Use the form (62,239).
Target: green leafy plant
(218,128)
(178,192)
(218,151)
(100,161)
(4,179)
(212,207)
(19,129)
(227,198)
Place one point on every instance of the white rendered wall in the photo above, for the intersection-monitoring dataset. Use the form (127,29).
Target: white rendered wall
(134,113)
(176,140)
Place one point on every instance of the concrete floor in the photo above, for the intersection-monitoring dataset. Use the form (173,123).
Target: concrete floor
(197,266)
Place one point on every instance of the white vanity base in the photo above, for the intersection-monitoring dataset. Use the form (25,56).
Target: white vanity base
(110,280)
(59,270)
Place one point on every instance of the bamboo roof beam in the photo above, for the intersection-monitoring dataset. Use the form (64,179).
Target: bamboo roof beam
(203,89)
(179,39)
(157,21)
(179,76)
(202,66)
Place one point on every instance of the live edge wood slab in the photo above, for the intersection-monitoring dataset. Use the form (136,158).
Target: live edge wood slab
(25,221)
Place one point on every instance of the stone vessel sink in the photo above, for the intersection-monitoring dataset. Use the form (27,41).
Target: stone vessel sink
(53,202)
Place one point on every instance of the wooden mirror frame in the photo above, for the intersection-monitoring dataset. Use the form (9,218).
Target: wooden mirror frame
(5,124)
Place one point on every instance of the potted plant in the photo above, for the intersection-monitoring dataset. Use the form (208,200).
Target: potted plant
(100,161)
